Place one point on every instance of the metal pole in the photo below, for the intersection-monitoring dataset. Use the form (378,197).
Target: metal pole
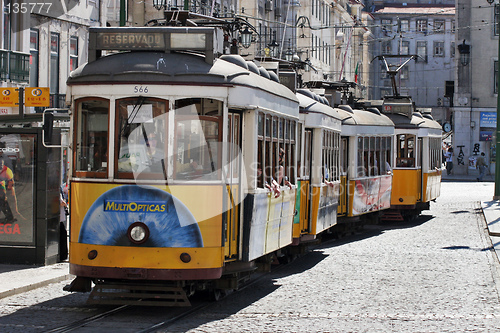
(123,5)
(497,139)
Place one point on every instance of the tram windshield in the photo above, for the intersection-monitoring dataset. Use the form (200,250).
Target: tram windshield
(142,133)
(154,142)
(406,151)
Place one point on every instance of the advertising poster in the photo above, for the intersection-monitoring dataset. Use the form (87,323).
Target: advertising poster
(16,189)
(487,125)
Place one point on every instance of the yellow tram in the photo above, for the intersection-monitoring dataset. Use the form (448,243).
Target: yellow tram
(158,180)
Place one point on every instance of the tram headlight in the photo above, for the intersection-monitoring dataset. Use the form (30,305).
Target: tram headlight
(138,233)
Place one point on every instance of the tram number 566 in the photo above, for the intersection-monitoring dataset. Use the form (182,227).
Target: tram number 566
(140,90)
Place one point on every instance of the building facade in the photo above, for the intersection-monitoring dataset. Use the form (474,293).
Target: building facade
(428,32)
(475,110)
(41,44)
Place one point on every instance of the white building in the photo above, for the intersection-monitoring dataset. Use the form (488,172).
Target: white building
(40,43)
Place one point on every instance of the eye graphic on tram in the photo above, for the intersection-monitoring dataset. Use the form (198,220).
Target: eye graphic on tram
(166,220)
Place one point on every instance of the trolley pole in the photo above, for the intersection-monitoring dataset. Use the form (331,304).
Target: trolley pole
(496,196)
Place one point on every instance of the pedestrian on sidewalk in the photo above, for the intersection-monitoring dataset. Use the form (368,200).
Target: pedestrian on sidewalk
(449,160)
(481,165)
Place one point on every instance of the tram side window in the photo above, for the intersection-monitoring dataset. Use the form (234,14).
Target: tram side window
(385,155)
(406,151)
(141,137)
(343,155)
(330,156)
(292,151)
(434,153)
(198,132)
(92,138)
(260,150)
(275,150)
(361,170)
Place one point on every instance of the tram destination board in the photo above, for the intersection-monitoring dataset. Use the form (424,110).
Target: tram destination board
(208,40)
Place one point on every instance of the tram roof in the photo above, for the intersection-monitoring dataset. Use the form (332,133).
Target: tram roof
(180,68)
(417,121)
(354,117)
(307,104)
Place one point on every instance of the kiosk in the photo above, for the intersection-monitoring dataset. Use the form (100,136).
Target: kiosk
(31,176)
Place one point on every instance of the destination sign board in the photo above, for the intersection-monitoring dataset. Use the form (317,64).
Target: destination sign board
(130,40)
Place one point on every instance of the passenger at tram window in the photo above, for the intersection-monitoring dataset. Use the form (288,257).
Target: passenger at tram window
(281,178)
(280,173)
(326,178)
(388,169)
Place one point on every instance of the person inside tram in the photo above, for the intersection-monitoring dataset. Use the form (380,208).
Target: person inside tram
(281,178)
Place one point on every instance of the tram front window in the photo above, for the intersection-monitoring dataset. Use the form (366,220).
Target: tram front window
(92,138)
(406,151)
(141,138)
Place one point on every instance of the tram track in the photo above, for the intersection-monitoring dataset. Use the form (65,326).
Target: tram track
(179,312)
(81,323)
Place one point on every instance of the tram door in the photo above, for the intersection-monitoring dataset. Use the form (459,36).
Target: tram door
(342,209)
(232,185)
(305,197)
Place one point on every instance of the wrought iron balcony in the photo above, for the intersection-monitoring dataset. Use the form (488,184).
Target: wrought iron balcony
(14,66)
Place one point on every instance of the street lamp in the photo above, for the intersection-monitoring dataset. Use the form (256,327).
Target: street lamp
(289,55)
(159,4)
(246,38)
(464,50)
(274,48)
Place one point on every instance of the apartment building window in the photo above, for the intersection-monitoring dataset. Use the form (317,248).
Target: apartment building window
(404,73)
(422,26)
(404,47)
(385,92)
(54,68)
(497,18)
(404,25)
(6,30)
(73,53)
(452,49)
(34,57)
(113,12)
(495,77)
(386,47)
(386,25)
(439,26)
(422,50)
(439,49)
(453,26)
(383,72)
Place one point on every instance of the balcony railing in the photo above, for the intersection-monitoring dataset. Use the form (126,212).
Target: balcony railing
(14,66)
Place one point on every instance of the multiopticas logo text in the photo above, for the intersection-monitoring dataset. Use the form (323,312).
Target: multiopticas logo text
(9,150)
(135,206)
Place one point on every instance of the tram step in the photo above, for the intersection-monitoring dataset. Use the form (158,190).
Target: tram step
(146,295)
(392,216)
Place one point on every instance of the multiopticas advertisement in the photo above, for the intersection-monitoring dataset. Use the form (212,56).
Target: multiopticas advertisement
(175,216)
(16,188)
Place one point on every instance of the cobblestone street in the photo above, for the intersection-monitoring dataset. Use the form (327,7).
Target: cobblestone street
(435,274)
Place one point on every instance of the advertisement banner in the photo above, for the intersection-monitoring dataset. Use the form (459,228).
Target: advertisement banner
(487,125)
(17,189)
